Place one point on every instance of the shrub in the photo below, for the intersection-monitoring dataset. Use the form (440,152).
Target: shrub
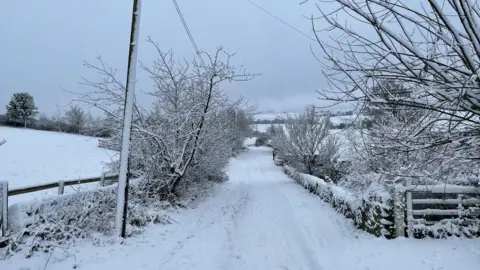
(261,141)
(64,220)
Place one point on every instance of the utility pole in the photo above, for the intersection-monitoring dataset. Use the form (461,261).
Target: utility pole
(123,178)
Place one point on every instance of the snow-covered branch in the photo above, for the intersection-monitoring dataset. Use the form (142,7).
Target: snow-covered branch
(192,126)
(416,77)
(306,143)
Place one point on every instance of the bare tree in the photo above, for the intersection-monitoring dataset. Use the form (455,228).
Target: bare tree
(307,142)
(190,98)
(76,118)
(57,118)
(434,51)
(187,129)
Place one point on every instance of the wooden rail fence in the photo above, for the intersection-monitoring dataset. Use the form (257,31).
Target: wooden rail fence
(426,205)
(109,144)
(5,192)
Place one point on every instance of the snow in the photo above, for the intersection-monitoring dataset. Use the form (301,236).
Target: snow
(32,157)
(336,120)
(260,219)
(347,119)
(269,115)
(261,127)
(445,188)
(249,141)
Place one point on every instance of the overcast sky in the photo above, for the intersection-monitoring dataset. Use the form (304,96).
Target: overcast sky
(43,44)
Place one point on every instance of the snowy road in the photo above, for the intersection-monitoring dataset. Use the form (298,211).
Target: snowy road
(263,220)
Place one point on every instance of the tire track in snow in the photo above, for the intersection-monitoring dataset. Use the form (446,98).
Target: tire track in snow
(291,224)
(260,220)
(268,225)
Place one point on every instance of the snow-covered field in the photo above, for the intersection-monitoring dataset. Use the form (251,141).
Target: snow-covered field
(269,115)
(32,157)
(336,120)
(261,127)
(260,219)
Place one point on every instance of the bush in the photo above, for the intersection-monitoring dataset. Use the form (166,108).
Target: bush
(261,141)
(87,215)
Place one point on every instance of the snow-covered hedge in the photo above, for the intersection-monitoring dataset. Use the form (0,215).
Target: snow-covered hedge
(89,215)
(460,227)
(372,212)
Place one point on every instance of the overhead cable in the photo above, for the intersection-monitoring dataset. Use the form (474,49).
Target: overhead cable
(190,36)
(282,21)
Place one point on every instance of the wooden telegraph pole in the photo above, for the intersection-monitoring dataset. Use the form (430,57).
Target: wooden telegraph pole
(123,179)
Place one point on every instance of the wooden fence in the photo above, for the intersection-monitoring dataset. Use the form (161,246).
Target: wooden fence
(5,192)
(109,144)
(426,205)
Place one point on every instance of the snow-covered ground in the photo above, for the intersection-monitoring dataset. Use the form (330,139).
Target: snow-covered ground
(263,220)
(336,120)
(32,157)
(347,119)
(261,127)
(270,115)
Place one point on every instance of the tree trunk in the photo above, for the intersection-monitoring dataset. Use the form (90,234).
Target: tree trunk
(25,123)
(176,182)
(196,138)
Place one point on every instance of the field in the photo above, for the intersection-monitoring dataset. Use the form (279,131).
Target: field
(31,157)
(336,120)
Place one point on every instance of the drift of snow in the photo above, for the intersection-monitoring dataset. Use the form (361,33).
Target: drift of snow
(261,219)
(32,157)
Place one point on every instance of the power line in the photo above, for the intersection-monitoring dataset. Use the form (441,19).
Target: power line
(179,12)
(282,21)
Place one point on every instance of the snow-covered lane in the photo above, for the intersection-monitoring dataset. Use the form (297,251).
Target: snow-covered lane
(261,219)
(278,227)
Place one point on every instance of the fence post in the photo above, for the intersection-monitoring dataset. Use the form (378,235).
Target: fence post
(4,206)
(409,208)
(61,187)
(102,179)
(460,203)
(399,209)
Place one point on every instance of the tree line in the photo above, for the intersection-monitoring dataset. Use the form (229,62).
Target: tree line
(22,111)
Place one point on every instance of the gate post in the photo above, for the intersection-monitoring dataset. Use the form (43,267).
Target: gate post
(4,207)
(409,209)
(399,209)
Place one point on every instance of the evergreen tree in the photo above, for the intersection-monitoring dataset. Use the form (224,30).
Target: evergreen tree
(21,107)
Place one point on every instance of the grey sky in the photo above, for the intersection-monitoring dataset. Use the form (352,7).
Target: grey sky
(43,44)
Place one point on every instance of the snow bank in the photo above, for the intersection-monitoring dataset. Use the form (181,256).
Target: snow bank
(66,219)
(372,212)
